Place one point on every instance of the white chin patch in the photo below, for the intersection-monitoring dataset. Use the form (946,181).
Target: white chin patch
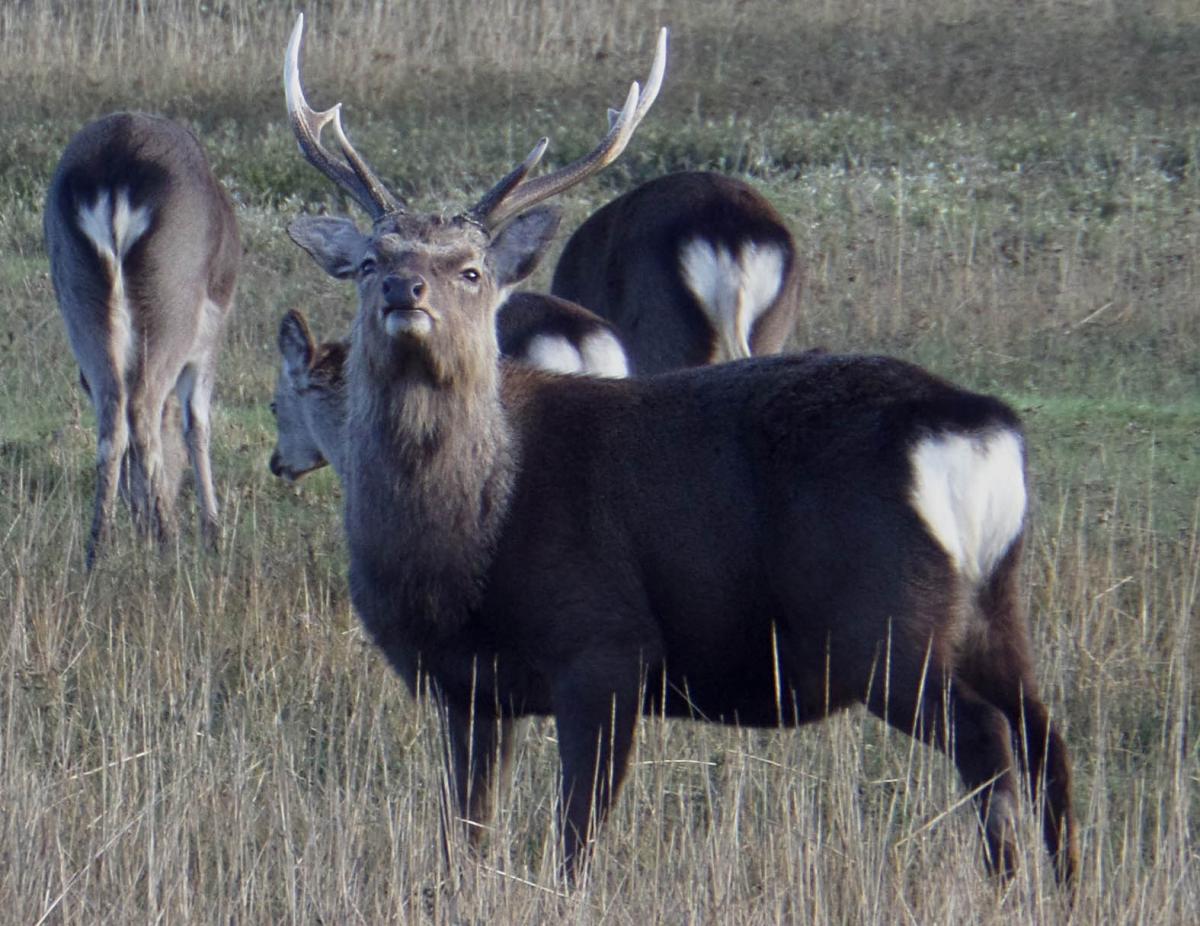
(412,324)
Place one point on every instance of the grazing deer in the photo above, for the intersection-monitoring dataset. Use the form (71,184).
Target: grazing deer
(144,255)
(691,268)
(560,336)
(762,542)
(310,406)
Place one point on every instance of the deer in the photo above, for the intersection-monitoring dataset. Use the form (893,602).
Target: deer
(309,402)
(559,335)
(692,268)
(144,251)
(763,542)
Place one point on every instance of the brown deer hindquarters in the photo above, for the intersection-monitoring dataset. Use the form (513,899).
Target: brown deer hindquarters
(559,336)
(691,268)
(144,251)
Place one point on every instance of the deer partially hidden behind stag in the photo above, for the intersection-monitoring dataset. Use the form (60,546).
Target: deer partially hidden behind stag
(761,542)
(691,268)
(309,405)
(144,253)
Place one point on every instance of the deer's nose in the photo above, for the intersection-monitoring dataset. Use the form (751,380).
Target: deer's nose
(401,292)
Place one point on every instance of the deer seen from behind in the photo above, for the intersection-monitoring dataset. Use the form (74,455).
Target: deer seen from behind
(309,405)
(560,336)
(144,253)
(762,542)
(691,268)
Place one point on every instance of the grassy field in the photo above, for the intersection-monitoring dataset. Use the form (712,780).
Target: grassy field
(1008,193)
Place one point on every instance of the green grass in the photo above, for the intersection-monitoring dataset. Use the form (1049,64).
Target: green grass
(1003,193)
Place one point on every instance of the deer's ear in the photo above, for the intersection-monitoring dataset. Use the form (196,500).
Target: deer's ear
(334,243)
(519,246)
(296,345)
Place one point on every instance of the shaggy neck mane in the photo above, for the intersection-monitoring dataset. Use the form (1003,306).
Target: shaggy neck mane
(431,468)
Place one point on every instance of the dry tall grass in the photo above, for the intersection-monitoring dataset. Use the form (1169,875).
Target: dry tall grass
(758,55)
(211,739)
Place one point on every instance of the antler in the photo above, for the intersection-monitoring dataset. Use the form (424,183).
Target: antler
(353,174)
(512,195)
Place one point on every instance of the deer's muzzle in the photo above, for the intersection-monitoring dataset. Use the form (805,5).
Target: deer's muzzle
(412,323)
(403,312)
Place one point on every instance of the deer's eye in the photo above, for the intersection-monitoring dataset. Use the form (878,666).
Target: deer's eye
(367,266)
(471,275)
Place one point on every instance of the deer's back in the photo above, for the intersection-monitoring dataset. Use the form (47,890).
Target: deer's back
(694,511)
(625,262)
(134,199)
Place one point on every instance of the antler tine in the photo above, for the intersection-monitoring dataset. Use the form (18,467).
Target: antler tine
(654,79)
(507,199)
(493,197)
(353,174)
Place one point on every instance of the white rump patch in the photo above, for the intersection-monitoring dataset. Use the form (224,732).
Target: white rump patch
(128,224)
(970,492)
(553,353)
(95,222)
(733,291)
(603,355)
(113,227)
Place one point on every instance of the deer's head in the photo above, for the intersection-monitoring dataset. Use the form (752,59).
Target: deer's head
(429,285)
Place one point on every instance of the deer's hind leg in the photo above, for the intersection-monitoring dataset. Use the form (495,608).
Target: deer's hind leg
(108,396)
(152,476)
(195,395)
(927,701)
(999,666)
